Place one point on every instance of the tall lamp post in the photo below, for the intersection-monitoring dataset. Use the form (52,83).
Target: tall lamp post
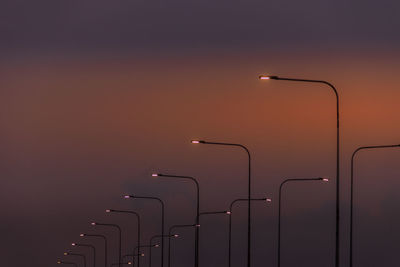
(67,262)
(78,255)
(351,190)
(162,219)
(248,190)
(230,221)
(337,243)
(280,203)
(151,243)
(170,235)
(105,244)
(138,224)
(87,246)
(196,257)
(213,213)
(116,226)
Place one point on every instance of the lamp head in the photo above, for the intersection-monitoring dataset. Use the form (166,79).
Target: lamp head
(197,142)
(58,262)
(175,236)
(129,263)
(73,244)
(324,179)
(228,212)
(267,77)
(155,174)
(82,235)
(108,210)
(268,200)
(65,253)
(156,245)
(93,223)
(142,254)
(197,225)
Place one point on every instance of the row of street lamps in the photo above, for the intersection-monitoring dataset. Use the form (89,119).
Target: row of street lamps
(249,199)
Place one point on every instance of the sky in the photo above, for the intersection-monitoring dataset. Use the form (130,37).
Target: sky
(97,95)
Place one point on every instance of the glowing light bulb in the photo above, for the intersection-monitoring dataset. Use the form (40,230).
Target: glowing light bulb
(228,212)
(195,142)
(82,235)
(325,179)
(176,235)
(127,196)
(268,200)
(108,211)
(154,174)
(73,244)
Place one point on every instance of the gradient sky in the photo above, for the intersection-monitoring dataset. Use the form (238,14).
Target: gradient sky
(95,96)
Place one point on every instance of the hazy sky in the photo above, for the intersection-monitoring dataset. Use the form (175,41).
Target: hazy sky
(97,95)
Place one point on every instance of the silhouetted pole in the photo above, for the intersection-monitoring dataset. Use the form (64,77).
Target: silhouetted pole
(138,224)
(337,241)
(87,246)
(248,191)
(170,235)
(230,222)
(78,255)
(196,247)
(66,262)
(351,190)
(105,245)
(119,234)
(279,209)
(151,243)
(213,213)
(162,220)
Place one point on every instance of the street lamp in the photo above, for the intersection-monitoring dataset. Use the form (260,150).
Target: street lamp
(151,243)
(162,219)
(351,190)
(248,189)
(197,207)
(138,224)
(337,243)
(175,235)
(279,209)
(230,221)
(119,232)
(87,246)
(105,244)
(78,255)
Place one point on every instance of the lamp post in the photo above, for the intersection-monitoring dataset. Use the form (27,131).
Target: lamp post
(151,243)
(78,255)
(279,209)
(66,262)
(138,224)
(196,261)
(351,190)
(228,212)
(170,235)
(230,221)
(87,246)
(105,244)
(248,190)
(337,243)
(119,233)
(162,219)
